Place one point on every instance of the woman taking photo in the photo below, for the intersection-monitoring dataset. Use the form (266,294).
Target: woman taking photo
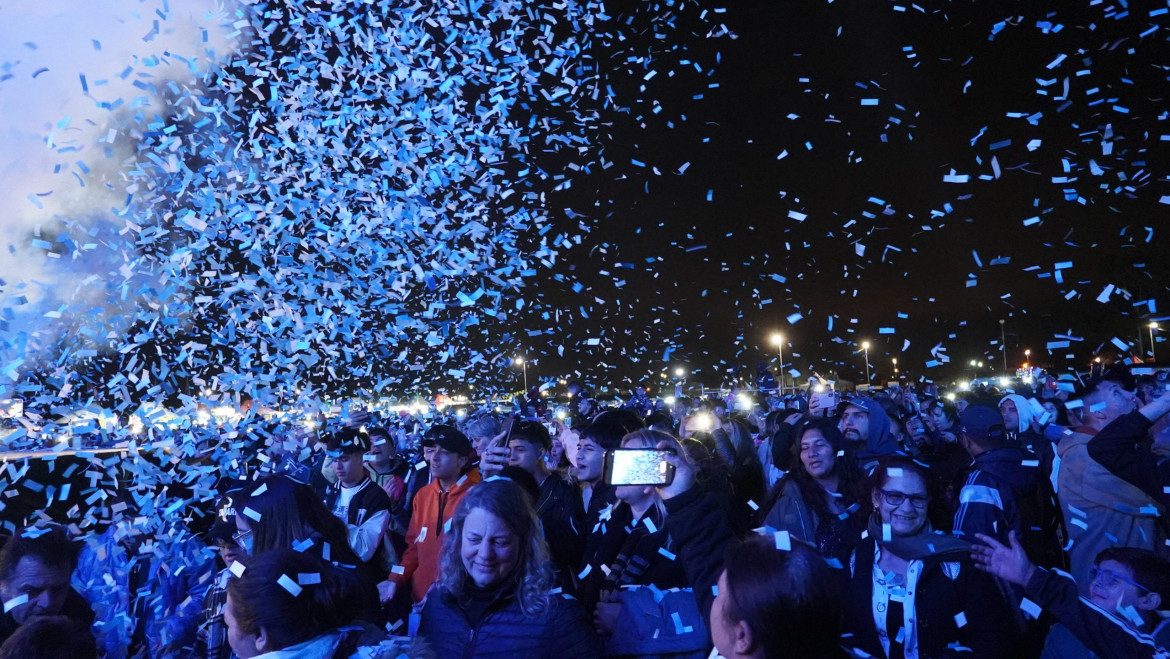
(819,499)
(915,593)
(493,598)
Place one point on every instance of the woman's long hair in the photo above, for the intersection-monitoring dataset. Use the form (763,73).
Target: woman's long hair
(532,578)
(849,483)
(290,513)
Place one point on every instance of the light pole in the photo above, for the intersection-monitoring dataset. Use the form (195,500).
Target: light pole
(1003,346)
(1153,356)
(681,373)
(895,368)
(778,339)
(1027,358)
(523,367)
(865,347)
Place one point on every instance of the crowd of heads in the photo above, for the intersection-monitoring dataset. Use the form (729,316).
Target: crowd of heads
(795,489)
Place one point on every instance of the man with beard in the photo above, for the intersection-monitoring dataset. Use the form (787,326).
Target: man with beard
(867,429)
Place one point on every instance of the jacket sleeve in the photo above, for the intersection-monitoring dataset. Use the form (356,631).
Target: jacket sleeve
(790,514)
(572,633)
(409,561)
(700,530)
(365,538)
(1113,448)
(981,509)
(1100,632)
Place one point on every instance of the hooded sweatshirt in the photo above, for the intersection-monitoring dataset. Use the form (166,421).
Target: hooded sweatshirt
(880,442)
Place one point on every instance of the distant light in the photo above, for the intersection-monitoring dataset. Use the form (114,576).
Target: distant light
(818,388)
(460,413)
(519,361)
(964,385)
(561,414)
(1003,382)
(951,396)
(701,422)
(669,400)
(679,372)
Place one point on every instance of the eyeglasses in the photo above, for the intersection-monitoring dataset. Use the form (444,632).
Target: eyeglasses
(895,499)
(238,538)
(1109,578)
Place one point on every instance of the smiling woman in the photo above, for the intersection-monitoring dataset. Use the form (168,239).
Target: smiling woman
(494,596)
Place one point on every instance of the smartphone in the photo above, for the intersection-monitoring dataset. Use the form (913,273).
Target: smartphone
(506,428)
(550,427)
(638,466)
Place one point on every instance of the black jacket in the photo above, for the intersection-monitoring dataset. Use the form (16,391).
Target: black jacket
(698,525)
(603,532)
(988,629)
(506,632)
(563,517)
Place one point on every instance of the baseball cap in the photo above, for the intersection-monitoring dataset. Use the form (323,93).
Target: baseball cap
(448,439)
(982,422)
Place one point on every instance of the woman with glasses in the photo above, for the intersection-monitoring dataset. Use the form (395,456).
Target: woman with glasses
(912,592)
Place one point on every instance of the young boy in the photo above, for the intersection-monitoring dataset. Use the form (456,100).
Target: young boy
(435,504)
(356,500)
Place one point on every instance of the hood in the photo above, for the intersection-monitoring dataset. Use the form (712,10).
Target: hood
(1007,464)
(1023,407)
(880,441)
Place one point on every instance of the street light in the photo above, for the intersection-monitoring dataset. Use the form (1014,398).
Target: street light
(895,368)
(523,367)
(1153,326)
(865,347)
(778,339)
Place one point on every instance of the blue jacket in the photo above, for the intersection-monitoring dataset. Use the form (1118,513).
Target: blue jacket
(505,631)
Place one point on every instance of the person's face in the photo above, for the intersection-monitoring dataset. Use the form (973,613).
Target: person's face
(480,443)
(348,469)
(816,454)
(427,452)
(1052,410)
(526,455)
(1011,416)
(244,645)
(916,429)
(230,552)
(855,424)
(446,465)
(722,628)
(45,586)
(937,419)
(1117,401)
(556,453)
(382,450)
(1112,593)
(590,457)
(489,549)
(906,518)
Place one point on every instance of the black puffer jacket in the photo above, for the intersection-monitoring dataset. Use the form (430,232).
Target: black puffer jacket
(505,631)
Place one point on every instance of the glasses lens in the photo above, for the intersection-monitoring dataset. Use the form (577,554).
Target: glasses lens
(893,498)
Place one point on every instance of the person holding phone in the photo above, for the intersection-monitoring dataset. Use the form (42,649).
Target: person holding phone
(646,582)
(559,505)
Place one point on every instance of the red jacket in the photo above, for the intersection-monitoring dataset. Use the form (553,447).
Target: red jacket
(432,510)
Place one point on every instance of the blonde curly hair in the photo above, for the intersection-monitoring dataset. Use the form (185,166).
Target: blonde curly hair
(532,579)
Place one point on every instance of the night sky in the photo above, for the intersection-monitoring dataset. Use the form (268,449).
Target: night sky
(660,185)
(942,262)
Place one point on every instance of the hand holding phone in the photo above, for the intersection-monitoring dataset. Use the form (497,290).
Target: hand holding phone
(637,466)
(497,454)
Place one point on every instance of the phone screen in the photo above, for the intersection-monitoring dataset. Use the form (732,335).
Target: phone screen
(636,466)
(506,428)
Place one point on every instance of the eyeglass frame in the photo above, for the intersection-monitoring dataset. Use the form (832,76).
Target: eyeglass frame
(238,536)
(1097,571)
(887,495)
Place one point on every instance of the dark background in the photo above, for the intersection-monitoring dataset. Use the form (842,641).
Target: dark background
(699,274)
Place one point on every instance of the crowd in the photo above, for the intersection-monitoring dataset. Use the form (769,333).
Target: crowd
(1023,522)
